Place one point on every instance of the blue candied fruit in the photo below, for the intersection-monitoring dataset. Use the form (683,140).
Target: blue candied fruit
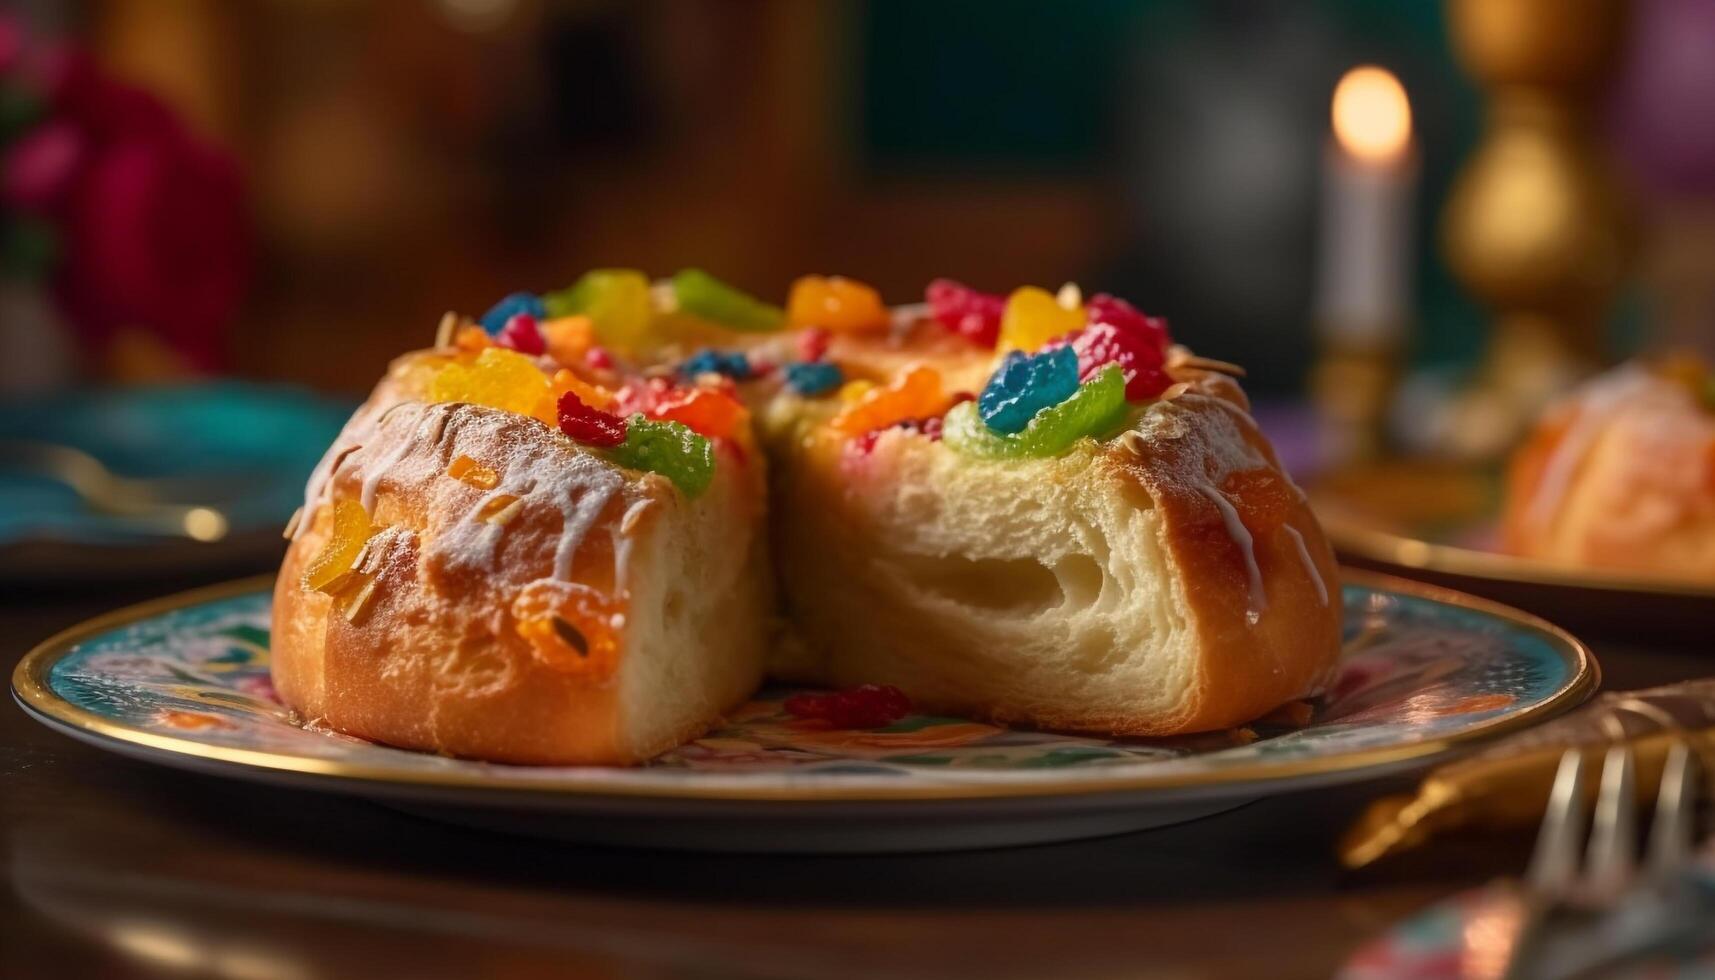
(813,377)
(709,361)
(495,319)
(1026,384)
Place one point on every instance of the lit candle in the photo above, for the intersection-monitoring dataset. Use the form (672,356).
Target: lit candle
(1369,181)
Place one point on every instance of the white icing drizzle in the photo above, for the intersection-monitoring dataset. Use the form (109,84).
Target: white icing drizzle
(577,484)
(374,470)
(1309,565)
(1242,537)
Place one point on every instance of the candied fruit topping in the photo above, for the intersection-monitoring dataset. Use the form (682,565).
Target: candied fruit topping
(836,303)
(521,334)
(916,393)
(1098,406)
(732,364)
(813,344)
(616,301)
(813,377)
(568,338)
(469,471)
(965,311)
(670,449)
(471,337)
(599,358)
(866,706)
(590,426)
(1106,308)
(702,295)
(1101,344)
(1033,317)
(564,380)
(571,628)
(708,412)
(495,319)
(331,569)
(498,378)
(1026,384)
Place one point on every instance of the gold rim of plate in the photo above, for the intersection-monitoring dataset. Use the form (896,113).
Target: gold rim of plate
(1353,536)
(29,685)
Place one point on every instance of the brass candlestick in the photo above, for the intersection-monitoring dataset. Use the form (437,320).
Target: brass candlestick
(1534,227)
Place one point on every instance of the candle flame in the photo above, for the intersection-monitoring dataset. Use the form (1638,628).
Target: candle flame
(1372,117)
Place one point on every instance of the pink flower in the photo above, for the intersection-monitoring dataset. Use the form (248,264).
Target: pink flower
(40,166)
(156,235)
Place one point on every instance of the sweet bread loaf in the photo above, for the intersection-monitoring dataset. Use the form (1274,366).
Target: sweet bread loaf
(555,536)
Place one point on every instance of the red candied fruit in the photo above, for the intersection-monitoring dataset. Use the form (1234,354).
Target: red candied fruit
(1106,308)
(867,706)
(813,344)
(597,357)
(930,428)
(590,426)
(965,311)
(1101,344)
(522,334)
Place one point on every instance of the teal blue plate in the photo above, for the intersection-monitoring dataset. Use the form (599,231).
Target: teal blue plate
(244,449)
(184,682)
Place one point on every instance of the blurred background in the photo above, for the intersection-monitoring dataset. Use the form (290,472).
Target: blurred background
(1550,202)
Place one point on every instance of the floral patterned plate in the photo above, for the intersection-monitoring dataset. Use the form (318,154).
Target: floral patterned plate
(183,681)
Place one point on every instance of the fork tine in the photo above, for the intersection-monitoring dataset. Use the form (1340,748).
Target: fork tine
(1554,864)
(1614,839)
(1675,810)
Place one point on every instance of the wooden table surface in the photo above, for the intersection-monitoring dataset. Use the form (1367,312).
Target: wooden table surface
(117,868)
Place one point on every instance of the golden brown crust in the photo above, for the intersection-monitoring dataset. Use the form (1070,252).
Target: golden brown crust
(1262,642)
(434,660)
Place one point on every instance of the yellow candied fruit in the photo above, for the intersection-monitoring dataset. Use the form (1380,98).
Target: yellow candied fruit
(498,378)
(836,303)
(467,470)
(329,571)
(1033,317)
(917,393)
(568,338)
(572,629)
(853,391)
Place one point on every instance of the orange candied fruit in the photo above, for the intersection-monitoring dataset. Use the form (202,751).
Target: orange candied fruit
(467,470)
(471,337)
(836,303)
(329,571)
(563,381)
(916,394)
(571,628)
(707,411)
(569,338)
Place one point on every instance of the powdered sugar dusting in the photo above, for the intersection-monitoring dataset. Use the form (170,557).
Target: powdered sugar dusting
(412,443)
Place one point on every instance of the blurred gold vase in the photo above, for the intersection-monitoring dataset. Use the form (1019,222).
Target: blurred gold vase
(1535,227)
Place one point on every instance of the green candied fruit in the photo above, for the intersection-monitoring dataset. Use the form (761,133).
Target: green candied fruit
(702,295)
(670,449)
(1097,406)
(616,299)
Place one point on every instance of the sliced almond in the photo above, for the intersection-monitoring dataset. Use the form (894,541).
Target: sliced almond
(501,509)
(448,326)
(292,524)
(1132,441)
(357,603)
